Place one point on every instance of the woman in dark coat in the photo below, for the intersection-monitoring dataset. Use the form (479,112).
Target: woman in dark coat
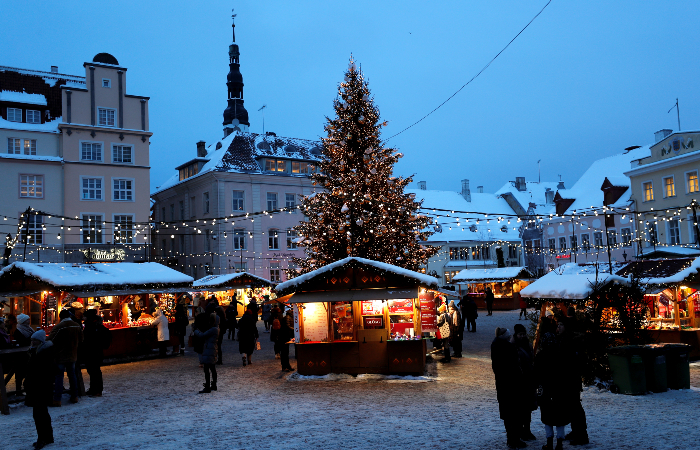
(247,334)
(208,334)
(39,385)
(509,385)
(181,322)
(526,360)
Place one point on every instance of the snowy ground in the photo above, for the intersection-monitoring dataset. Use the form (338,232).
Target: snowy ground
(154,404)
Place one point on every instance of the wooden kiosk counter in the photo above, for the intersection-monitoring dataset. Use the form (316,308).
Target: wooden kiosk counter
(361,316)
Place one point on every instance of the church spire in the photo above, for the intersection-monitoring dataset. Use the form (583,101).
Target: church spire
(235,114)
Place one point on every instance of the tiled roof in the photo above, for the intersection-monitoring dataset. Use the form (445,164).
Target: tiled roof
(245,148)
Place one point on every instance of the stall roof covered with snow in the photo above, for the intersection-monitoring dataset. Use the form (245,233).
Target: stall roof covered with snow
(663,271)
(230,281)
(570,282)
(354,279)
(91,280)
(494,275)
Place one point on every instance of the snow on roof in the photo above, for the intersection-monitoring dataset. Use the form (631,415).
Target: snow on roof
(100,274)
(569,282)
(49,77)
(51,126)
(497,275)
(586,191)
(678,277)
(481,203)
(533,193)
(419,277)
(22,97)
(229,278)
(32,157)
(671,250)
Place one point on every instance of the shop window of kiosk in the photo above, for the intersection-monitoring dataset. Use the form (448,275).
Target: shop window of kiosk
(401,318)
(341,316)
(372,315)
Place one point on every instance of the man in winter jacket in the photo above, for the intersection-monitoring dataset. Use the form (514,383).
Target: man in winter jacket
(509,385)
(66,336)
(247,334)
(97,338)
(526,360)
(39,382)
(470,314)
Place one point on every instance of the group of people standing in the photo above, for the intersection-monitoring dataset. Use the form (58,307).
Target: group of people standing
(451,321)
(550,380)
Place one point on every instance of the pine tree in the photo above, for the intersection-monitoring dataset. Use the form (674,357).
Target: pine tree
(361,209)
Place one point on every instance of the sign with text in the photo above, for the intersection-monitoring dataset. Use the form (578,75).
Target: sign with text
(315,322)
(373,322)
(372,307)
(428,317)
(403,306)
(297,331)
(99,255)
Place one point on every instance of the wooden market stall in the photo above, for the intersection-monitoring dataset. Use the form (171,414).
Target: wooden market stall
(124,295)
(361,316)
(241,287)
(505,282)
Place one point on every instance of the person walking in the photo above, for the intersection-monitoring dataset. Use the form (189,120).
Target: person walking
(161,323)
(509,386)
(523,305)
(266,315)
(40,374)
(275,327)
(489,301)
(444,324)
(208,334)
(457,328)
(247,334)
(526,360)
(97,339)
(472,313)
(181,323)
(66,335)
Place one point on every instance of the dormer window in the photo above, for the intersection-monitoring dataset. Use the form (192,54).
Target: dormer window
(106,83)
(33,116)
(14,114)
(275,165)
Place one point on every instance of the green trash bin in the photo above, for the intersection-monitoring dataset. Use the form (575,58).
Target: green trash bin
(655,367)
(627,366)
(678,365)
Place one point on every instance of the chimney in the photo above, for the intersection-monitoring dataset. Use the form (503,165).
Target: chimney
(480,189)
(465,191)
(54,69)
(661,134)
(421,185)
(201,150)
(520,184)
(548,196)
(560,186)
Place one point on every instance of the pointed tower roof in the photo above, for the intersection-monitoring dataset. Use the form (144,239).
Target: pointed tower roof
(235,114)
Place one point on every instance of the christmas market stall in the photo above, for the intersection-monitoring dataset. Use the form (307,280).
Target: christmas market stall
(361,316)
(125,295)
(505,283)
(241,287)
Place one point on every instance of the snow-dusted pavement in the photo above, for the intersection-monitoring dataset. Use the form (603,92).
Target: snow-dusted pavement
(154,404)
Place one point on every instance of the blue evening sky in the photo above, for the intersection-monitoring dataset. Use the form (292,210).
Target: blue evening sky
(584,81)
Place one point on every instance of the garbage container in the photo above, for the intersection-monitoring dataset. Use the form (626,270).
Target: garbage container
(655,367)
(627,367)
(678,365)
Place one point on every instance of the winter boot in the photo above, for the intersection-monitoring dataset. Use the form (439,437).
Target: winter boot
(548,445)
(206,389)
(560,444)
(213,386)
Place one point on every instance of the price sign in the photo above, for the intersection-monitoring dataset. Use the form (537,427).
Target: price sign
(404,306)
(428,317)
(315,322)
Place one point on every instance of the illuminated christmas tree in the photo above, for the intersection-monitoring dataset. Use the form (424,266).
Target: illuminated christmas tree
(362,209)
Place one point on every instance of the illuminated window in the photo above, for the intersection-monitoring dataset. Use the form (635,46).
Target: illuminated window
(31,186)
(669,187)
(30,146)
(692,182)
(612,237)
(648,189)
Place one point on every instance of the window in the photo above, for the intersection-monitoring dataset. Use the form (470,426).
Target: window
(454,253)
(162,214)
(182,210)
(238,201)
(612,238)
(626,237)
(90,151)
(273,241)
(512,251)
(35,232)
(30,146)
(552,246)
(192,207)
(290,202)
(163,247)
(652,235)
(240,267)
(669,187)
(275,273)
(122,154)
(691,182)
(14,114)
(692,232)
(172,213)
(205,203)
(14,146)
(648,189)
(598,239)
(674,232)
(574,243)
(92,229)
(92,188)
(585,242)
(33,116)
(31,186)
(207,240)
(528,247)
(487,253)
(105,117)
(106,83)
(476,253)
(239,238)
(271,201)
(562,244)
(301,167)
(181,244)
(275,165)
(124,229)
(291,237)
(123,190)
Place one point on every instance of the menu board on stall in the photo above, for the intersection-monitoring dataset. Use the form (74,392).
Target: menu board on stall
(428,318)
(297,330)
(403,306)
(372,307)
(315,322)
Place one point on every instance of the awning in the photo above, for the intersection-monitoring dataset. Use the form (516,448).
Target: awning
(352,296)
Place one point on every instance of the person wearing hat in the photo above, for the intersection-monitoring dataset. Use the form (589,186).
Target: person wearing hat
(509,386)
(97,338)
(22,336)
(66,335)
(445,332)
(457,329)
(40,373)
(526,359)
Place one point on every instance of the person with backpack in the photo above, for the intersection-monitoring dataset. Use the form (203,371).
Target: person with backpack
(97,338)
(206,338)
(444,324)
